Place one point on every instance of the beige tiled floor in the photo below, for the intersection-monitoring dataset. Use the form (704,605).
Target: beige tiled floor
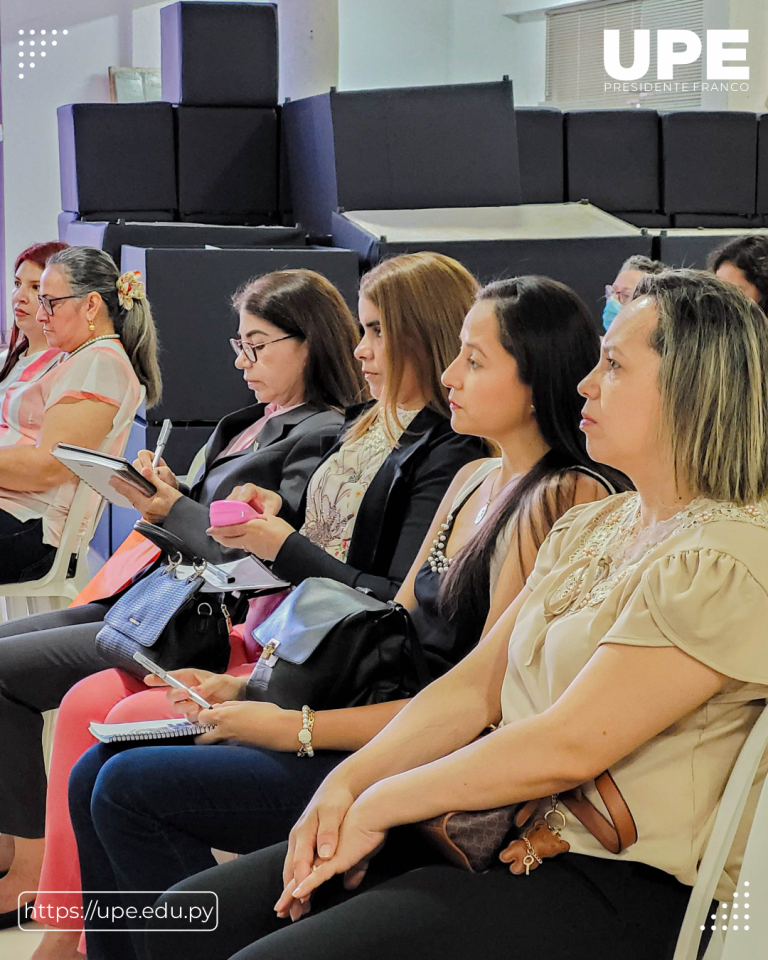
(18,944)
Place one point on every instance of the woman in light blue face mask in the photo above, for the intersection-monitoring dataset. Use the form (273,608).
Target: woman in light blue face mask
(620,292)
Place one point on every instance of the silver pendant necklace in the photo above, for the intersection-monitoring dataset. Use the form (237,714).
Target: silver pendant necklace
(484,509)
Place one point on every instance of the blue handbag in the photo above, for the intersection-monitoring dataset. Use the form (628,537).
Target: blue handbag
(169,622)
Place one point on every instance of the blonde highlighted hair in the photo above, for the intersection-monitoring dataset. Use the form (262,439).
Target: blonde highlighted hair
(713,345)
(422,299)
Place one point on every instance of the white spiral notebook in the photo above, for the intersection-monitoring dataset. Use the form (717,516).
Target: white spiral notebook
(147,730)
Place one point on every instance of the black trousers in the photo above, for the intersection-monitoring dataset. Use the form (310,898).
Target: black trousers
(413,906)
(41,658)
(23,555)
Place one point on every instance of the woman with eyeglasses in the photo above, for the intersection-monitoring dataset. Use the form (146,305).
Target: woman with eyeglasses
(619,293)
(88,397)
(302,384)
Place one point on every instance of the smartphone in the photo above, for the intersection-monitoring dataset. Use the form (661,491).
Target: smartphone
(151,667)
(224,513)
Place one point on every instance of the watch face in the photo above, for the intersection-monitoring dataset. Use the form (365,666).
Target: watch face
(305,736)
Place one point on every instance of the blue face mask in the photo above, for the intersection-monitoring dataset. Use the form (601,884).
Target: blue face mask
(612,307)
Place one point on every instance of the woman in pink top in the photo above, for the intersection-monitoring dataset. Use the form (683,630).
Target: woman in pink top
(28,354)
(89,397)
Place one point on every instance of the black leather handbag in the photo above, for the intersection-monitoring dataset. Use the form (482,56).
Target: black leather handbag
(167,618)
(329,646)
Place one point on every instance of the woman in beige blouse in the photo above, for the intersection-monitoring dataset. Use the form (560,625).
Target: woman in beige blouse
(637,646)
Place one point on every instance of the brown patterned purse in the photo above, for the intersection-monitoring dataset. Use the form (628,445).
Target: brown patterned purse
(471,839)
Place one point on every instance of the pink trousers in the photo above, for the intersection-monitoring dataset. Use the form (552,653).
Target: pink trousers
(107,697)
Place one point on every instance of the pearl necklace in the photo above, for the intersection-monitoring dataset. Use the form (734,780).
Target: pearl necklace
(104,336)
(438,562)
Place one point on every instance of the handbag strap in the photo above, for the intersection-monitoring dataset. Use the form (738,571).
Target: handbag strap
(615,834)
(618,833)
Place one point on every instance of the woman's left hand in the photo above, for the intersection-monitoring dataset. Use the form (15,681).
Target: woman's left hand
(263,724)
(263,536)
(363,834)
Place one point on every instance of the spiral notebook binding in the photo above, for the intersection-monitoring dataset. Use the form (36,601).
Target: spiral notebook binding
(192,731)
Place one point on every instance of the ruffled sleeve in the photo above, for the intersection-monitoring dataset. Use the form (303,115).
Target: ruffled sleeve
(709,605)
(102,374)
(558,539)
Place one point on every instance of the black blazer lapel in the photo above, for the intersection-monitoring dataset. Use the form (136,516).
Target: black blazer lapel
(276,427)
(228,427)
(373,508)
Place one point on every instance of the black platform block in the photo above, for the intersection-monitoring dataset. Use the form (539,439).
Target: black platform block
(112,236)
(412,147)
(715,220)
(117,157)
(709,162)
(762,164)
(691,250)
(540,149)
(190,292)
(227,164)
(586,263)
(613,159)
(220,54)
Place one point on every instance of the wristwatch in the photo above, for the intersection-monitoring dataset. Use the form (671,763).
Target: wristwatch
(305,734)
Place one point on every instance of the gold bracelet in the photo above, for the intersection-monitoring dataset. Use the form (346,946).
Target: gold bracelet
(305,734)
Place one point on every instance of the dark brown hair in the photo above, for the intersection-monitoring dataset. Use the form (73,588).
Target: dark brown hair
(750,255)
(38,254)
(307,306)
(547,328)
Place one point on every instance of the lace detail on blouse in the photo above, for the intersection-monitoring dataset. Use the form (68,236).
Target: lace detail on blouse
(606,552)
(337,488)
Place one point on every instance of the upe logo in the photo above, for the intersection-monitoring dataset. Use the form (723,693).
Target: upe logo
(675,48)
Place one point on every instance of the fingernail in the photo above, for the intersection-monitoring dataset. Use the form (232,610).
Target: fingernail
(325,850)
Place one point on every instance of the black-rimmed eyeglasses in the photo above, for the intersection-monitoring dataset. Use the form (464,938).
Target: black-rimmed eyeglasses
(251,350)
(47,302)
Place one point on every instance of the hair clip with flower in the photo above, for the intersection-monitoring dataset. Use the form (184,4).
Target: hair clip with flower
(130,288)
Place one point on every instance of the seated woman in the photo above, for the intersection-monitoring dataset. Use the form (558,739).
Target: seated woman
(620,292)
(637,646)
(28,354)
(743,261)
(88,397)
(508,385)
(426,298)
(304,383)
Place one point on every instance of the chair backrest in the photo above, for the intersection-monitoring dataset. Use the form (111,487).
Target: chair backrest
(729,815)
(747,934)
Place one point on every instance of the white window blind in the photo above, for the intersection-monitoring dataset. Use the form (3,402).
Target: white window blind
(576,76)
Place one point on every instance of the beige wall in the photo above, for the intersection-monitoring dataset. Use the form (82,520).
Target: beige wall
(752,15)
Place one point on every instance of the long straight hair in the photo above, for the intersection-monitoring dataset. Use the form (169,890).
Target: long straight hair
(38,254)
(422,299)
(547,328)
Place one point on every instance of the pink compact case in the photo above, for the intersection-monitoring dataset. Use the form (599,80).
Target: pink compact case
(225,513)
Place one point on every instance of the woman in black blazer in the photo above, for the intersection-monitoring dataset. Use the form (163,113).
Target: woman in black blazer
(371,501)
(295,349)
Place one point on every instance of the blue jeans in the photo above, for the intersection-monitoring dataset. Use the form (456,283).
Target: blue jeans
(146,818)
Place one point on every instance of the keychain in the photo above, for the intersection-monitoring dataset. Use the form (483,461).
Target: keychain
(540,841)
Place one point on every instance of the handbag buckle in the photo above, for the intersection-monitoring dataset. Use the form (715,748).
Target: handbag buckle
(268,653)
(173,562)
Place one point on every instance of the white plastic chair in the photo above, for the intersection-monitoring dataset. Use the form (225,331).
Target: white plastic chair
(57,589)
(741,943)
